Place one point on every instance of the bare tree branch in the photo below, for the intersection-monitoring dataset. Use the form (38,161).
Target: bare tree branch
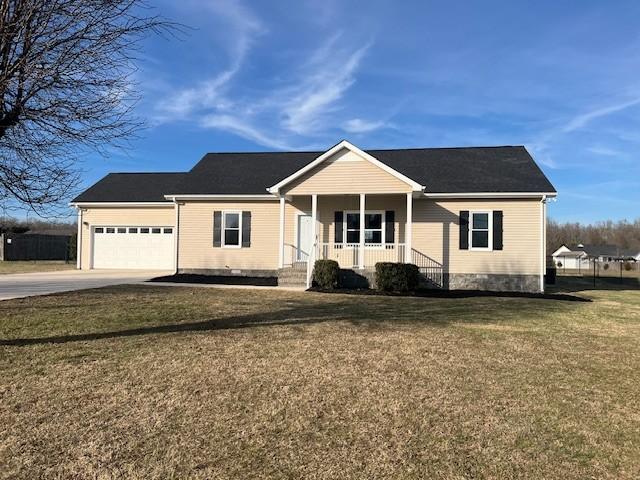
(65,88)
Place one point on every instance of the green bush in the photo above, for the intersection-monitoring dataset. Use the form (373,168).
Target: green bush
(326,273)
(606,266)
(628,266)
(396,277)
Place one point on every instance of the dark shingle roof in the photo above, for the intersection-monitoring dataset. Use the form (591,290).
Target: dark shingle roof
(132,187)
(605,250)
(440,170)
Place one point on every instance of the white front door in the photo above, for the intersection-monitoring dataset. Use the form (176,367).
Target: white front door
(304,238)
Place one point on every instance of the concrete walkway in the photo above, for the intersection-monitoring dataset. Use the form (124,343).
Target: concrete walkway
(21,285)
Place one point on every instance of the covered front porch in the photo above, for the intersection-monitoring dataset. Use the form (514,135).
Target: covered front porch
(357,231)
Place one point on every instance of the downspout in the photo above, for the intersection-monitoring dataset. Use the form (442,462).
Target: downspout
(79,240)
(543,240)
(176,236)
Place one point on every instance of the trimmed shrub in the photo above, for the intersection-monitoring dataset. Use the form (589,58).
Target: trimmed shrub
(559,264)
(606,266)
(396,277)
(326,273)
(628,266)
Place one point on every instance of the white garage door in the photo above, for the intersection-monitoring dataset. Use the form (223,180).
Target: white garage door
(141,247)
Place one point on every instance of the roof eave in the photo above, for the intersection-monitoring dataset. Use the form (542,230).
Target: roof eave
(491,195)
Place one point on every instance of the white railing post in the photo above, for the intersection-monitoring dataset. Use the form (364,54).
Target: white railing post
(362,210)
(311,261)
(408,231)
(281,256)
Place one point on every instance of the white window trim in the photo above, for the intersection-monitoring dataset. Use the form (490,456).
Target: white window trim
(366,212)
(490,226)
(222,229)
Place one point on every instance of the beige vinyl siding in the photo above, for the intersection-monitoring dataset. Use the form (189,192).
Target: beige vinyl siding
(196,250)
(121,216)
(346,172)
(436,234)
(435,231)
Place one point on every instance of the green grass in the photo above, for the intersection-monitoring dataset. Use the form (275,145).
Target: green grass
(35,266)
(153,382)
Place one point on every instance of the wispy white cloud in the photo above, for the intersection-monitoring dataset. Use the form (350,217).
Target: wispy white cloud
(324,83)
(300,110)
(358,125)
(245,129)
(244,26)
(605,151)
(583,119)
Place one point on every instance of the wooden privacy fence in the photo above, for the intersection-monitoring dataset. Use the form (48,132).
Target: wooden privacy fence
(34,246)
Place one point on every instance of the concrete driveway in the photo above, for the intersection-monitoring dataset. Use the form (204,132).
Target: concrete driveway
(31,284)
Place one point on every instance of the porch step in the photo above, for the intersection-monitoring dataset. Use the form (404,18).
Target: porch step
(292,277)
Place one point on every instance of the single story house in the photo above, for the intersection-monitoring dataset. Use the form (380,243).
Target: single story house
(470,218)
(578,256)
(564,257)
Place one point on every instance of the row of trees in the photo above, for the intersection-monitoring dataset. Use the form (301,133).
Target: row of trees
(623,233)
(13,225)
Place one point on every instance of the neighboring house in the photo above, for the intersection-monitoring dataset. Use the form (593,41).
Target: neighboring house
(470,218)
(578,256)
(564,257)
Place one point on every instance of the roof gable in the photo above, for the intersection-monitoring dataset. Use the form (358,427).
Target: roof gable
(331,153)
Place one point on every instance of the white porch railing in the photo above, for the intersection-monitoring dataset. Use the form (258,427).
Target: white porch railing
(311,262)
(348,254)
(295,257)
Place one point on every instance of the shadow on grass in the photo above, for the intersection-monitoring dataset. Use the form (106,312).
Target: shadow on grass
(370,313)
(436,293)
(570,284)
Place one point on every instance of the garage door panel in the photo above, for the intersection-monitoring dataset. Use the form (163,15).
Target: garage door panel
(133,249)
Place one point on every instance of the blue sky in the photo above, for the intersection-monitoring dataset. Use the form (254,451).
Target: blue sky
(561,78)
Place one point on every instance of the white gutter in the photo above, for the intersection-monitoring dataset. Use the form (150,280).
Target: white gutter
(491,195)
(176,236)
(79,240)
(175,197)
(543,240)
(119,204)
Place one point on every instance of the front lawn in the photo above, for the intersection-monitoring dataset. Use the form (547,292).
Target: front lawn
(32,266)
(163,382)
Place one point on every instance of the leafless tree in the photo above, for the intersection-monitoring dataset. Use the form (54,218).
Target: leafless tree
(65,89)
(623,234)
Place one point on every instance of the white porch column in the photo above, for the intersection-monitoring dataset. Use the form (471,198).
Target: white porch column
(281,249)
(314,218)
(361,249)
(408,231)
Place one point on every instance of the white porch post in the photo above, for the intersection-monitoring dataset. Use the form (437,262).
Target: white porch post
(361,249)
(314,218)
(408,231)
(281,249)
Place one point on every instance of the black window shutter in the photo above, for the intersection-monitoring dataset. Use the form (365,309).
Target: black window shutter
(390,226)
(464,230)
(217,229)
(246,229)
(338,218)
(497,229)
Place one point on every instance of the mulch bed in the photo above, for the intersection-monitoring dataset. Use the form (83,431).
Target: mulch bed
(218,279)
